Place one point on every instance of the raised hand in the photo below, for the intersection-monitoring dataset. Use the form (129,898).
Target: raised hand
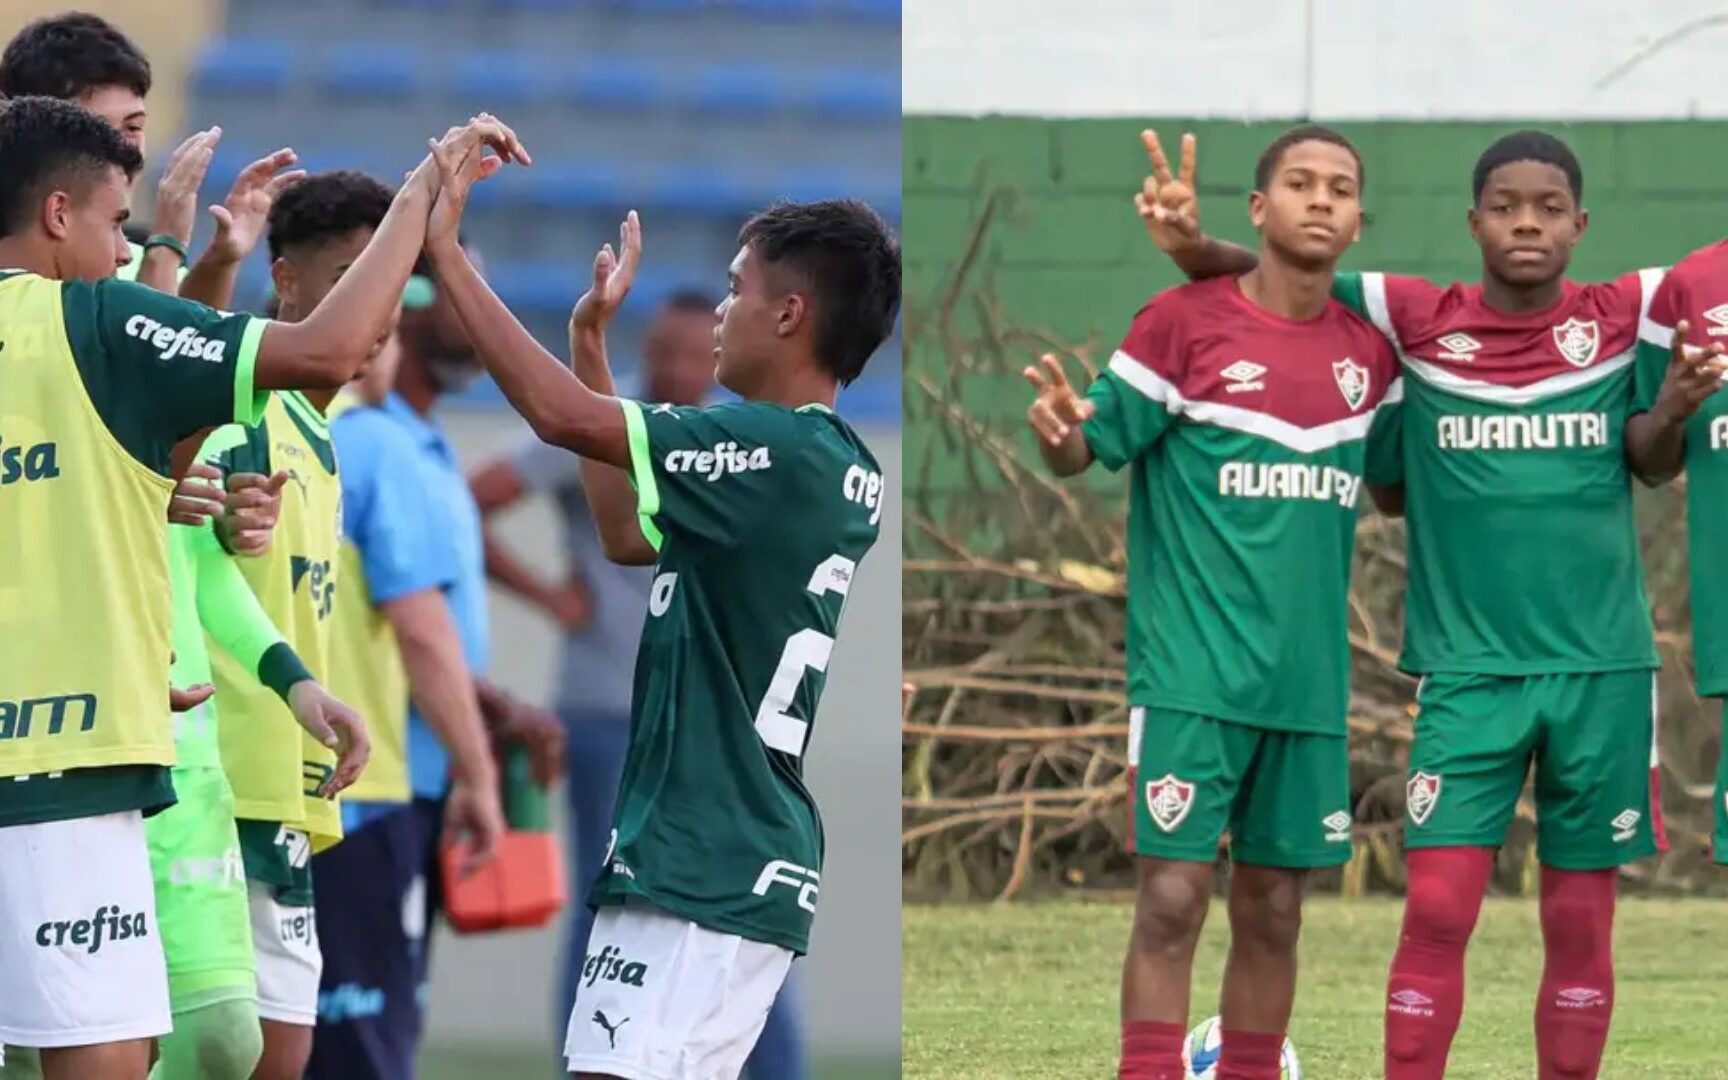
(612,277)
(177,193)
(1693,374)
(457,162)
(197,497)
(240,218)
(1057,410)
(1169,204)
(335,725)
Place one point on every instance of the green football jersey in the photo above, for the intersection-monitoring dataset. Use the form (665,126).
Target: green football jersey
(761,515)
(1246,433)
(1696,291)
(1524,556)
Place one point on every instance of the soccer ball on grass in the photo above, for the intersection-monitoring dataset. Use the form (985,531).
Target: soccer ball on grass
(1204,1045)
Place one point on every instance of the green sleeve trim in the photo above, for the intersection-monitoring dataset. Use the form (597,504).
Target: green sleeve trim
(1347,290)
(642,473)
(249,402)
(281,668)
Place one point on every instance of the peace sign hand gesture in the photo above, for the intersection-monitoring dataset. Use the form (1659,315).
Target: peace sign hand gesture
(1168,203)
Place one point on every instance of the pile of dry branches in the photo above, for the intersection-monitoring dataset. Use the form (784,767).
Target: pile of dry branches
(1014,749)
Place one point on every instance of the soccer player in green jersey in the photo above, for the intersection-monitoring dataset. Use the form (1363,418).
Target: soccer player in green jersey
(755,516)
(1244,406)
(1512,440)
(102,379)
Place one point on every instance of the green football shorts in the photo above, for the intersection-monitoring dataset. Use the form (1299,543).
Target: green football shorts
(1591,738)
(201,891)
(1283,796)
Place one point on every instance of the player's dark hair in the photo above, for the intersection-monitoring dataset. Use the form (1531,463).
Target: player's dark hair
(64,55)
(690,299)
(50,145)
(850,261)
(1301,133)
(326,206)
(1538,146)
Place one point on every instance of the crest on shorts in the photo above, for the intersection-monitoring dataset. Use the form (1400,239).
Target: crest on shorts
(1352,381)
(1421,793)
(1578,341)
(1168,800)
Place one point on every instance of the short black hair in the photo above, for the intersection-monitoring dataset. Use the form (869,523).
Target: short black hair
(690,299)
(323,207)
(47,144)
(850,259)
(1538,146)
(64,55)
(1301,133)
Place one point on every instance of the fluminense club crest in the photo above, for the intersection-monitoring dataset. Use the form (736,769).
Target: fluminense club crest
(1168,800)
(1578,341)
(1352,381)
(1421,793)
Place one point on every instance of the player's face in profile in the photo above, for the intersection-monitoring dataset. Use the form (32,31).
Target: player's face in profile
(312,274)
(678,352)
(1527,222)
(748,317)
(93,245)
(1311,209)
(122,108)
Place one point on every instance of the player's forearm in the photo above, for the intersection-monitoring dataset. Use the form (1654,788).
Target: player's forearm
(158,269)
(230,614)
(440,684)
(1069,457)
(558,407)
(611,498)
(1655,446)
(325,350)
(503,567)
(1214,258)
(211,281)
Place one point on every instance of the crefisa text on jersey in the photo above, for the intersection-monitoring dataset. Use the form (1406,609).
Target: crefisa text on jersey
(864,487)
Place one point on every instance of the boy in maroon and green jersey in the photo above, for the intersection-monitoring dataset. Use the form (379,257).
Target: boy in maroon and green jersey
(1525,614)
(1244,407)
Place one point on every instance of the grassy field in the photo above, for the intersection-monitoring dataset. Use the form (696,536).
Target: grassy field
(1030,990)
(503,1063)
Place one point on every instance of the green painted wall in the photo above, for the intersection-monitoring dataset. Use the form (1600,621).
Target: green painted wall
(1067,257)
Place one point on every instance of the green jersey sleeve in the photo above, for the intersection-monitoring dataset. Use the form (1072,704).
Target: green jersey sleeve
(1347,290)
(159,368)
(1383,464)
(230,613)
(1135,399)
(709,474)
(1656,341)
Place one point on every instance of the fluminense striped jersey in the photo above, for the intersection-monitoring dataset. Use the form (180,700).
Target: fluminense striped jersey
(1524,557)
(1696,290)
(1246,434)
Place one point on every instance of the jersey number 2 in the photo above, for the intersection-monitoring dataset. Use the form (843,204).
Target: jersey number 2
(807,650)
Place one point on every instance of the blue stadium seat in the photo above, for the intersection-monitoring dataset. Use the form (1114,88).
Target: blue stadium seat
(775,8)
(672,7)
(809,185)
(416,5)
(738,89)
(699,191)
(856,95)
(614,84)
(502,78)
(248,67)
(369,71)
(873,10)
(576,186)
(554,286)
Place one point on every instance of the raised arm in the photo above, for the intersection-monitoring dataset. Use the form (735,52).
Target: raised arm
(326,349)
(240,222)
(1656,437)
(560,410)
(1169,204)
(1056,415)
(610,494)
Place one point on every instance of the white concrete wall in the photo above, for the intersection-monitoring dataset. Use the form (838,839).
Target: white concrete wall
(1329,59)
(497,988)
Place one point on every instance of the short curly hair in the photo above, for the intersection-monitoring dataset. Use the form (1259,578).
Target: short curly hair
(325,206)
(64,55)
(849,259)
(51,145)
